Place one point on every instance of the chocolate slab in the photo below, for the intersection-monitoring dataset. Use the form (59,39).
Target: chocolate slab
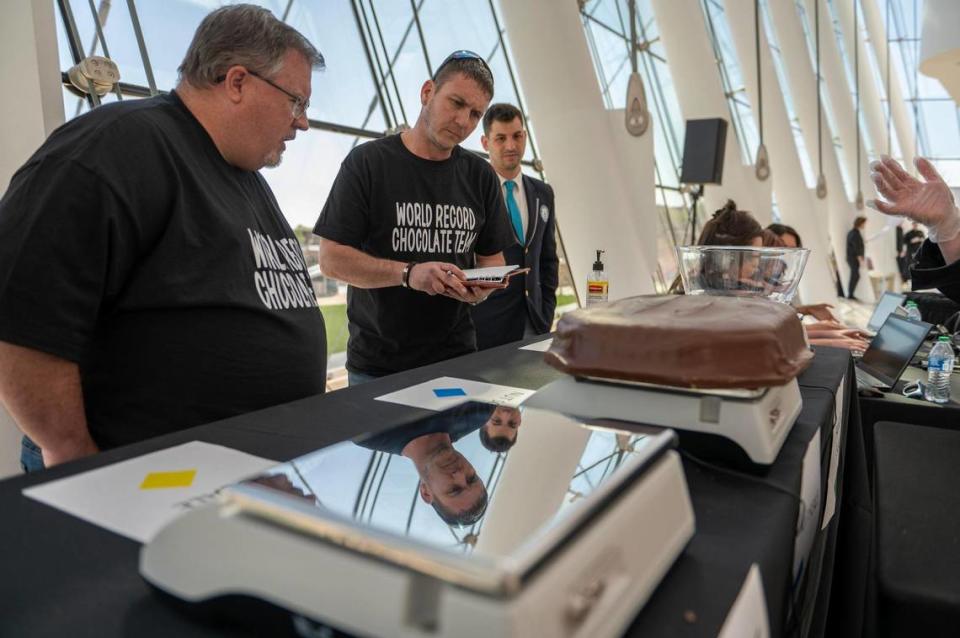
(689,341)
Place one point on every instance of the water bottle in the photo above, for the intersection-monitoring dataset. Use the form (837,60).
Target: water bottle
(913,312)
(939,369)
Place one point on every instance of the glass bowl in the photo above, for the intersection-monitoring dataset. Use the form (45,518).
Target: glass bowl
(742,271)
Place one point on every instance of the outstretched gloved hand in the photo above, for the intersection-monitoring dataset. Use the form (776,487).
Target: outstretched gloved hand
(929,202)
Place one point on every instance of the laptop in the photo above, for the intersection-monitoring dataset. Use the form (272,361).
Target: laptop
(887,304)
(890,352)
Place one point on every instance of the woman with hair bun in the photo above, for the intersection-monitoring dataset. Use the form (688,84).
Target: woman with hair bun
(730,226)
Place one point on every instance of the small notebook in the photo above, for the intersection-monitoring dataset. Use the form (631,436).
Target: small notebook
(494,276)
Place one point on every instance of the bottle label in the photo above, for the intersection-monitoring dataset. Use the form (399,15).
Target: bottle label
(936,364)
(597,287)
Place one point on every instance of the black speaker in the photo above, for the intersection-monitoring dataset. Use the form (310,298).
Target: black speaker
(703,151)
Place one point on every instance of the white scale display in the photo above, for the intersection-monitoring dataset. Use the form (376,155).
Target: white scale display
(565,530)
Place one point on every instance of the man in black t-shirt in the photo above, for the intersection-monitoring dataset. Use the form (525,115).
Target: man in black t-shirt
(406,214)
(148,280)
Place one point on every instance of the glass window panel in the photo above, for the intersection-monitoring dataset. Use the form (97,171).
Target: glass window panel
(950,170)
(344,92)
(732,79)
(403,44)
(941,123)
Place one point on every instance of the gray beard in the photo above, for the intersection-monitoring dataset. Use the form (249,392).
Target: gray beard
(273,161)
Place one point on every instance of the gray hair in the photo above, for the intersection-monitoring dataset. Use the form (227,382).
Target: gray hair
(245,35)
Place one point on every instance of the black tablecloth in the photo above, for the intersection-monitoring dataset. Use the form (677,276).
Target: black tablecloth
(62,576)
(893,406)
(934,306)
(917,536)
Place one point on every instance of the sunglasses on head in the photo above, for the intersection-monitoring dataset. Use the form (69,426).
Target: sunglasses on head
(462,54)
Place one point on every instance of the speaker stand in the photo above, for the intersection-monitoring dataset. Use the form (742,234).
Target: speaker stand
(695,196)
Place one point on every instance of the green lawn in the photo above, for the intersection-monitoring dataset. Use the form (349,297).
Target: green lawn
(335,318)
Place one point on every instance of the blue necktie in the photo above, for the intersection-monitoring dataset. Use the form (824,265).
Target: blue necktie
(514,209)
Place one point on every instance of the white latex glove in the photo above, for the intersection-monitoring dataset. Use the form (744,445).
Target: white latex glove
(929,202)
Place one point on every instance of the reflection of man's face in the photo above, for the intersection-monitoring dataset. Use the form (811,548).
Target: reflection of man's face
(448,478)
(503,424)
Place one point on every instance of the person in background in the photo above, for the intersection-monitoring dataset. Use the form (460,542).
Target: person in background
(148,279)
(929,202)
(913,240)
(525,308)
(828,332)
(903,266)
(856,255)
(786,234)
(727,227)
(791,239)
(732,227)
(406,214)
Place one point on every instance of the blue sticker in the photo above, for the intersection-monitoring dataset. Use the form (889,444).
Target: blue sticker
(450,392)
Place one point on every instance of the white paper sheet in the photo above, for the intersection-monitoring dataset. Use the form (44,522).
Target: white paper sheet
(748,615)
(445,392)
(112,497)
(809,514)
(538,346)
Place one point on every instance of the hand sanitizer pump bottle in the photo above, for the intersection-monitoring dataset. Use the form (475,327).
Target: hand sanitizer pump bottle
(597,285)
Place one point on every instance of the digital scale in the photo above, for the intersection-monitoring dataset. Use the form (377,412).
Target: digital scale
(580,521)
(745,428)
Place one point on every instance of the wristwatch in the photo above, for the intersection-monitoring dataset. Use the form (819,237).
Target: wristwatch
(405,275)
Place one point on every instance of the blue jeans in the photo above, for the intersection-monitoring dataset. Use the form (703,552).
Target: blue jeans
(356,378)
(31,459)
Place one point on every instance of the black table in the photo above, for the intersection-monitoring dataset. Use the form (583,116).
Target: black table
(65,577)
(918,547)
(893,406)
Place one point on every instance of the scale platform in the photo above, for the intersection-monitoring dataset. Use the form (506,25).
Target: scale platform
(743,428)
(579,523)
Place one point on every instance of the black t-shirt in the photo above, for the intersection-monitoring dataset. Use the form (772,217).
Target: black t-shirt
(457,422)
(129,246)
(391,204)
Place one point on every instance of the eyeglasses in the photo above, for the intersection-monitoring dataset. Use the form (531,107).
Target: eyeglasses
(300,103)
(462,54)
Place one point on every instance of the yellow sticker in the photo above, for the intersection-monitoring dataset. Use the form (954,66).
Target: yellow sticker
(160,480)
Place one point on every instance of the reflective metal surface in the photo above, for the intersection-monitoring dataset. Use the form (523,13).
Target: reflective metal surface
(478,495)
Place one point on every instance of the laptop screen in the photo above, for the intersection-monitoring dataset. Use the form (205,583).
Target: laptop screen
(885,306)
(891,350)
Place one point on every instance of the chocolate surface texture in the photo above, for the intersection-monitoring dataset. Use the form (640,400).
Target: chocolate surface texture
(688,341)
